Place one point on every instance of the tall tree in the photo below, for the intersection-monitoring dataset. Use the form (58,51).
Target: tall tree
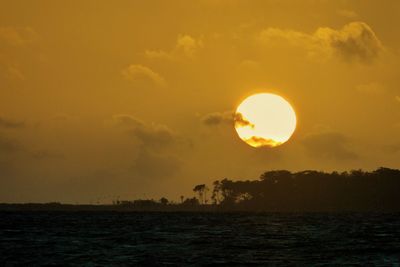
(201,189)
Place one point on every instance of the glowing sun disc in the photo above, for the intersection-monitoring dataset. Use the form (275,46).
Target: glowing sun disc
(265,119)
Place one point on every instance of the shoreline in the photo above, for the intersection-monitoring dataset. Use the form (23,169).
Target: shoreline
(174,208)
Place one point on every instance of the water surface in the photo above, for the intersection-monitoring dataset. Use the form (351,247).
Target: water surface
(131,238)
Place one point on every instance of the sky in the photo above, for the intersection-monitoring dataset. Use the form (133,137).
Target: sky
(133,99)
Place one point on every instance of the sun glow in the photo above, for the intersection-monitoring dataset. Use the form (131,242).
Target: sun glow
(265,119)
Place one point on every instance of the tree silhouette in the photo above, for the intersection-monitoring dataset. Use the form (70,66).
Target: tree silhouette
(191,202)
(201,189)
(164,201)
(281,190)
(216,192)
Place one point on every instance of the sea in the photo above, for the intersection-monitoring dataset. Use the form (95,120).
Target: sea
(65,238)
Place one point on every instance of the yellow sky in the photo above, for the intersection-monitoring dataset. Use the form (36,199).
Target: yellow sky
(133,98)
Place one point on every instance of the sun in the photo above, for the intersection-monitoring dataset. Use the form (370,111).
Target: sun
(265,120)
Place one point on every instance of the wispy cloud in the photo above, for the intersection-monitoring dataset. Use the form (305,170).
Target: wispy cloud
(138,72)
(153,159)
(186,47)
(217,118)
(356,41)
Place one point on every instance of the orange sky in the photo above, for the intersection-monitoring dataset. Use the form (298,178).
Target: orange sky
(132,98)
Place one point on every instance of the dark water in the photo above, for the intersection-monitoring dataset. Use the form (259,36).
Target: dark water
(146,239)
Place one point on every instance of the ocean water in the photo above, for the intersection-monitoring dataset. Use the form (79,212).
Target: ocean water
(200,239)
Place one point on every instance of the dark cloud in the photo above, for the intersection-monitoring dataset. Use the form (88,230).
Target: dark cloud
(258,141)
(240,121)
(227,117)
(150,135)
(152,159)
(328,145)
(217,118)
(155,135)
(356,41)
(11,124)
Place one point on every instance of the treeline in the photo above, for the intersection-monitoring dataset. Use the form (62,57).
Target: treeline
(274,191)
(282,190)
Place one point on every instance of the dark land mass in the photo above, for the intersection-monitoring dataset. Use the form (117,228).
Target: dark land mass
(274,191)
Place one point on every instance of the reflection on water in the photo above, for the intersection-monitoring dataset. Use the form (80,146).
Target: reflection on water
(113,238)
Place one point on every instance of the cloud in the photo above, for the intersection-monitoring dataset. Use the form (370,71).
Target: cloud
(328,145)
(12,150)
(150,135)
(226,117)
(258,141)
(230,118)
(217,118)
(139,72)
(356,41)
(11,124)
(14,36)
(155,135)
(240,121)
(153,159)
(186,46)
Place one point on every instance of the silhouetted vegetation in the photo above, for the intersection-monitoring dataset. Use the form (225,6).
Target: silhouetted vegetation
(282,190)
(202,190)
(276,191)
